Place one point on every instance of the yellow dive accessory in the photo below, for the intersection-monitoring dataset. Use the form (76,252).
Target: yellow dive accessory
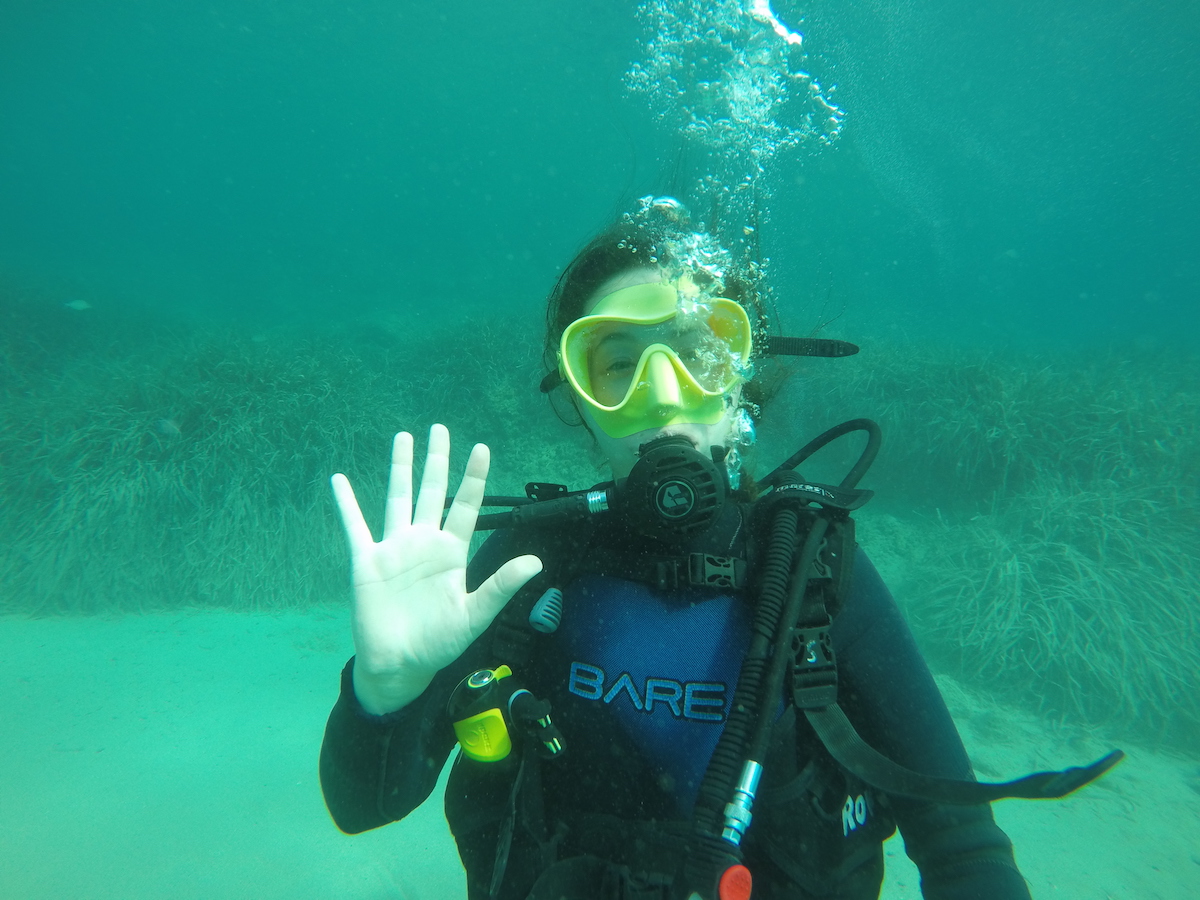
(486,708)
(483,736)
(656,354)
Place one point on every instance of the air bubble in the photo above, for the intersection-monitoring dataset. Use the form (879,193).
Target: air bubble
(727,76)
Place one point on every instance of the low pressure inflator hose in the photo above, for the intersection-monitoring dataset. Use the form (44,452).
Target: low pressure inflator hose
(737,810)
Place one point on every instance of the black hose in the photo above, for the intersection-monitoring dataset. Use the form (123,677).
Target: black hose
(874,439)
(492,500)
(729,756)
(780,655)
(748,726)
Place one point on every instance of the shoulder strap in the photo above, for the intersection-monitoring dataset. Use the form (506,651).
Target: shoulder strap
(667,572)
(857,757)
(814,692)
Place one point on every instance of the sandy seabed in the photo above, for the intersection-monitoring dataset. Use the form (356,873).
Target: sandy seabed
(174,756)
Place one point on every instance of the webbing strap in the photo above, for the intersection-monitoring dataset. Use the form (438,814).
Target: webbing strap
(856,756)
(504,839)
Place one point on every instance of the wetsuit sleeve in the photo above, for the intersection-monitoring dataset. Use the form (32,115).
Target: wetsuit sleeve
(890,695)
(378,769)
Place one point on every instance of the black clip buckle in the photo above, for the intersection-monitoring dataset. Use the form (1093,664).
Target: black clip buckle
(544,490)
(533,718)
(814,668)
(706,570)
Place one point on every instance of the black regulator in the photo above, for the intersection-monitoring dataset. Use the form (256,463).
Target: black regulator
(673,492)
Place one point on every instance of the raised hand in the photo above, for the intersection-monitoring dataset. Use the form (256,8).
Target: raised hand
(412,614)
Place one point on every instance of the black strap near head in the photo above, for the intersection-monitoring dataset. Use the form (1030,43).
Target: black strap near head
(858,758)
(794,346)
(776,345)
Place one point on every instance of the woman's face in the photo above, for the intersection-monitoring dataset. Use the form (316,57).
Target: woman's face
(622,453)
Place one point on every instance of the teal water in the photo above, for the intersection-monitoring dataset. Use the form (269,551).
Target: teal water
(1009,172)
(242,244)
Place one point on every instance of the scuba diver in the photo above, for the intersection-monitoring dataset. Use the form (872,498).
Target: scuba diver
(681,683)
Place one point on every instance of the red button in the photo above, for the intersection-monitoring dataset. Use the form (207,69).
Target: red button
(735,884)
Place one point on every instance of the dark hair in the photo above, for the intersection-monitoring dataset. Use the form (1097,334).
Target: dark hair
(645,242)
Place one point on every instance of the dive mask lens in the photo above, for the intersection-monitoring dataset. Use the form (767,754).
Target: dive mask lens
(641,334)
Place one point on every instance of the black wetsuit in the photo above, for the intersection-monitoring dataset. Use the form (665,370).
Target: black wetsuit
(639,680)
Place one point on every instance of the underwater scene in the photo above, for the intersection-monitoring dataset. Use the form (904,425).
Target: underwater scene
(243,245)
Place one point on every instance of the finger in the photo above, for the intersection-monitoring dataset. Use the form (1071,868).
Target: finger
(460,521)
(357,533)
(398,512)
(431,502)
(491,596)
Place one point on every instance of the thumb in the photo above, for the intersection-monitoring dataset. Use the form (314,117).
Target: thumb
(490,597)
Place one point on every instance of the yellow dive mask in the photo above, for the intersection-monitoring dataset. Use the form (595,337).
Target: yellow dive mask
(656,354)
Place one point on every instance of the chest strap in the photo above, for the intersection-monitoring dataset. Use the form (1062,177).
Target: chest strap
(671,573)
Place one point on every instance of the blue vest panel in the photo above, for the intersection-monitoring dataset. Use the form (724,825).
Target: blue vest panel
(666,665)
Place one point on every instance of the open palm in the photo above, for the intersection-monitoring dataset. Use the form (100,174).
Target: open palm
(412,613)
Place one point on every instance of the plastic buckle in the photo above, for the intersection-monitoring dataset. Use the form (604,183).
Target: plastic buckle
(814,668)
(544,490)
(705,570)
(821,569)
(533,717)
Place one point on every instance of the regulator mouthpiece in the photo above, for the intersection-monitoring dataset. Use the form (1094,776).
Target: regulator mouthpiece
(673,490)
